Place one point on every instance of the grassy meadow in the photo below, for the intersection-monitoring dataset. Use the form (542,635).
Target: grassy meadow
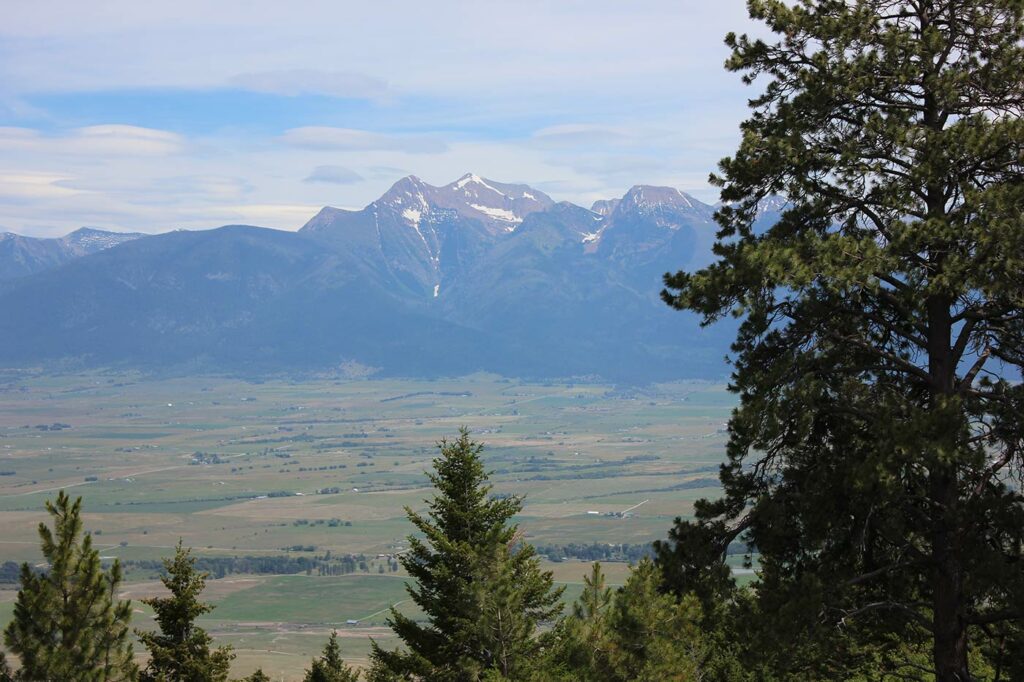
(236,468)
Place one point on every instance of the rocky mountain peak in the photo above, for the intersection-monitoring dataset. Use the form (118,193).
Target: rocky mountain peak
(604,206)
(409,191)
(499,206)
(641,197)
(86,240)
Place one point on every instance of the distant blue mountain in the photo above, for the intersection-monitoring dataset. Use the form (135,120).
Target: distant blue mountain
(21,256)
(425,281)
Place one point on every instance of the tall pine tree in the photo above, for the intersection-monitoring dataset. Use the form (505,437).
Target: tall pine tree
(68,623)
(180,651)
(481,589)
(876,458)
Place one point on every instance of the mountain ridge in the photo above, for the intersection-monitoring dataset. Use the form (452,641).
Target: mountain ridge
(21,255)
(424,281)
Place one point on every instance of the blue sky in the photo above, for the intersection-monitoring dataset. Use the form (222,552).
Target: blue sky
(153,116)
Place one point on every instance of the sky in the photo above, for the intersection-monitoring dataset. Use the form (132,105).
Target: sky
(153,116)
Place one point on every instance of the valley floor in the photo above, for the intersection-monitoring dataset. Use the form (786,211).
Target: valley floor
(280,468)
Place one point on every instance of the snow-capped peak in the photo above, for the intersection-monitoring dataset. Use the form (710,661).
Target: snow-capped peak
(500,207)
(772,204)
(466,179)
(646,199)
(90,239)
(474,179)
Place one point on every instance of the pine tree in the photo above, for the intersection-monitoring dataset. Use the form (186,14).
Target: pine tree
(875,460)
(581,639)
(480,587)
(68,624)
(330,667)
(180,651)
(257,676)
(654,637)
(636,634)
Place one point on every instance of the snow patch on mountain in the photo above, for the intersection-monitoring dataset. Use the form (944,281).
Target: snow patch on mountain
(413,215)
(497,213)
(772,204)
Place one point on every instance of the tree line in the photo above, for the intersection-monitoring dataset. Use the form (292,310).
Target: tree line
(219,567)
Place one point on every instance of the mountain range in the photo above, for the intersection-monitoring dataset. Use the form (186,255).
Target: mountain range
(425,281)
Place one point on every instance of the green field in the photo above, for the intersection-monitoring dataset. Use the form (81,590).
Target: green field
(233,468)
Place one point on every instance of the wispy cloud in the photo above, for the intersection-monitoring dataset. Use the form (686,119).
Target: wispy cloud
(336,175)
(575,134)
(321,138)
(28,186)
(97,140)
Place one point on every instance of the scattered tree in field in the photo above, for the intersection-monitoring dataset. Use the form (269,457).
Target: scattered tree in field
(481,589)
(180,651)
(330,667)
(68,623)
(876,458)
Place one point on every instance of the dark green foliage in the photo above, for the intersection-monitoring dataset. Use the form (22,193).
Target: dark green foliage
(180,651)
(258,676)
(479,586)
(218,567)
(875,460)
(636,634)
(330,667)
(68,624)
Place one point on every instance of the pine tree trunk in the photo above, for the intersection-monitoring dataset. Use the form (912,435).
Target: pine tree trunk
(950,632)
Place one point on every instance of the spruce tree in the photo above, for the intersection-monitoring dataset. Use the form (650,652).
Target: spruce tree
(68,623)
(180,650)
(480,588)
(330,667)
(875,459)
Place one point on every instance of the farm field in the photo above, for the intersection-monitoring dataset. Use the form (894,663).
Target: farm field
(324,468)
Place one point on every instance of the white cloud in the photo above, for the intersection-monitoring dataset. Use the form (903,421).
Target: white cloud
(337,175)
(214,180)
(96,141)
(261,214)
(324,138)
(574,134)
(27,186)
